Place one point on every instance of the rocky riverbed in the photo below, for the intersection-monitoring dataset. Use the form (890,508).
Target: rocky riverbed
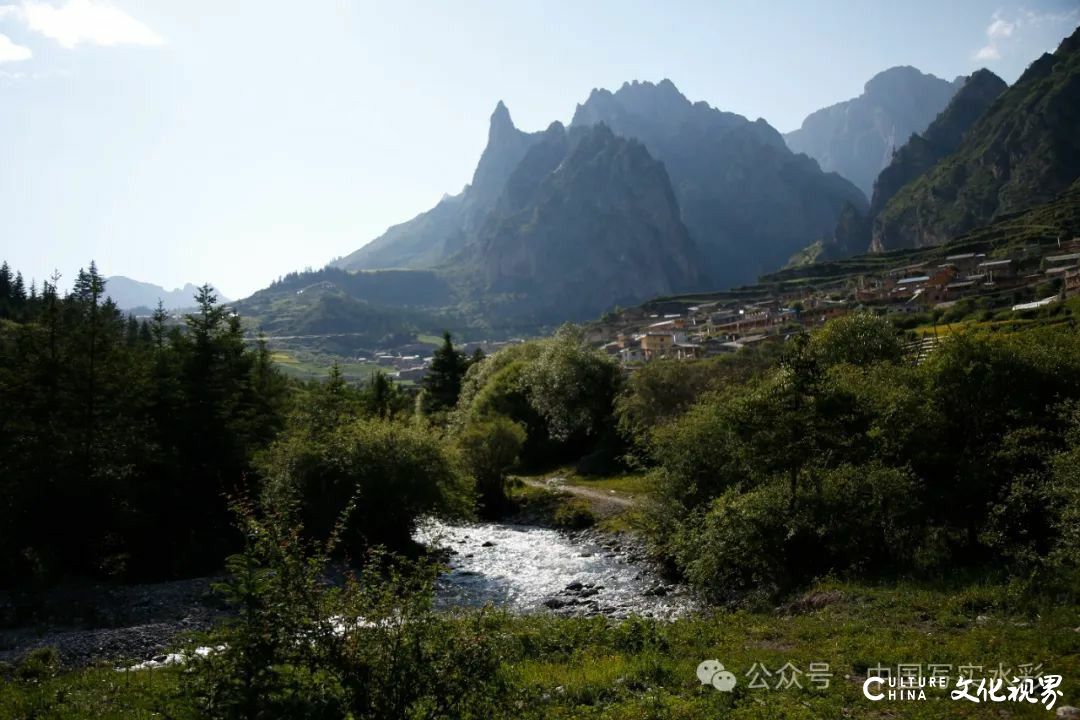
(523,568)
(86,623)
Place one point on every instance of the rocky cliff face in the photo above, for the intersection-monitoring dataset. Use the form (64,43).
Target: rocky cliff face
(747,200)
(433,236)
(1023,151)
(854,232)
(587,220)
(941,138)
(857,137)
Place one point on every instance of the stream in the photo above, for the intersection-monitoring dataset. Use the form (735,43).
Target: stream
(525,568)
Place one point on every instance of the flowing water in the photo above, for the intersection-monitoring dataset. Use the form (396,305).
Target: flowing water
(525,568)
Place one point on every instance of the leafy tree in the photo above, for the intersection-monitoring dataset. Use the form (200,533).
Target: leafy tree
(392,472)
(491,447)
(383,398)
(860,338)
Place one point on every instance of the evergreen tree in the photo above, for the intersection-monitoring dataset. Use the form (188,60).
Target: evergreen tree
(443,381)
(6,281)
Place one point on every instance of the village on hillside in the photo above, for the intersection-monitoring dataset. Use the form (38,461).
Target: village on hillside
(689,327)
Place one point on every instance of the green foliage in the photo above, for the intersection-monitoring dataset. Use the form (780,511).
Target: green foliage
(559,389)
(570,386)
(965,444)
(369,646)
(39,664)
(127,434)
(442,384)
(392,472)
(490,447)
(574,514)
(753,545)
(857,339)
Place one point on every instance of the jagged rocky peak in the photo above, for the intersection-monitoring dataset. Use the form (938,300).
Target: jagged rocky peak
(501,122)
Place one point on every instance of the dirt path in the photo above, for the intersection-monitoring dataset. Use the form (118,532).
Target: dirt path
(604,502)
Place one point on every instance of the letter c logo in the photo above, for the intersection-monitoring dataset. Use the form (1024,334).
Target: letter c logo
(866,688)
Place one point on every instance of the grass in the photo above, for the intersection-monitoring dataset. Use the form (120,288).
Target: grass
(597,669)
(308,369)
(632,484)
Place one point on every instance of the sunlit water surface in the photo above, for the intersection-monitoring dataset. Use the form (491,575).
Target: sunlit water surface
(525,568)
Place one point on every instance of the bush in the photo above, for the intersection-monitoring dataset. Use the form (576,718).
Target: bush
(392,472)
(369,647)
(858,339)
(38,664)
(574,514)
(758,544)
(490,448)
(560,390)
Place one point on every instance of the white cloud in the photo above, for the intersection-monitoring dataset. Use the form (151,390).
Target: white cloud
(1001,31)
(11,52)
(1000,28)
(79,22)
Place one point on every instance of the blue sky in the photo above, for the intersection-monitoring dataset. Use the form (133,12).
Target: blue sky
(235,141)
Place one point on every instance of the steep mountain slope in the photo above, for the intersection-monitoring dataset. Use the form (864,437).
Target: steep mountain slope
(942,138)
(435,235)
(747,200)
(854,231)
(129,294)
(1023,151)
(587,220)
(856,138)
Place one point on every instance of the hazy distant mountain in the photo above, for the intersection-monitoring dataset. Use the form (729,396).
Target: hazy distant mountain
(748,201)
(1023,151)
(129,294)
(856,138)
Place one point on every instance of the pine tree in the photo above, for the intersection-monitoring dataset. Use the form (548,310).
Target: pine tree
(6,281)
(443,381)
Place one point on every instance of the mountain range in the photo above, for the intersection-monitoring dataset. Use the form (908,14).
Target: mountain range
(856,138)
(129,294)
(854,230)
(647,193)
(1024,150)
(705,196)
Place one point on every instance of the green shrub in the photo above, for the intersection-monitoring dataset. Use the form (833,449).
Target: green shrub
(758,544)
(38,664)
(574,514)
(490,448)
(370,646)
(390,471)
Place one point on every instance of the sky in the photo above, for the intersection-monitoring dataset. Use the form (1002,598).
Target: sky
(235,141)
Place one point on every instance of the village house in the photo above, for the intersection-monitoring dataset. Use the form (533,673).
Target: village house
(998,269)
(965,261)
(656,345)
(1072,282)
(1070,260)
